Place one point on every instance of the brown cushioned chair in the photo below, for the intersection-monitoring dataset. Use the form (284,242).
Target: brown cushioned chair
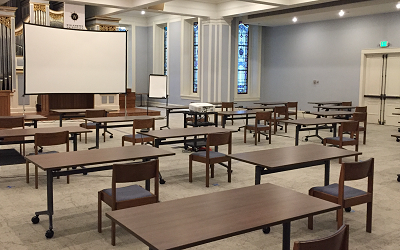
(280,113)
(347,196)
(338,241)
(361,118)
(128,196)
(258,127)
(212,157)
(7,122)
(48,139)
(225,106)
(350,127)
(139,138)
(292,109)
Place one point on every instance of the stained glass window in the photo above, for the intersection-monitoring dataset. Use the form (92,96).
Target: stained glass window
(165,51)
(195,55)
(243,56)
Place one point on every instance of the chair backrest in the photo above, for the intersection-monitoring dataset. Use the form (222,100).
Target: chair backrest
(132,172)
(51,139)
(143,123)
(265,116)
(361,109)
(292,105)
(95,113)
(227,105)
(347,103)
(281,110)
(351,127)
(338,241)
(12,122)
(355,171)
(360,117)
(217,139)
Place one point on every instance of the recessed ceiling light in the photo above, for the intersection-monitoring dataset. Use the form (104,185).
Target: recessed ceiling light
(143,12)
(398,5)
(294,19)
(341,13)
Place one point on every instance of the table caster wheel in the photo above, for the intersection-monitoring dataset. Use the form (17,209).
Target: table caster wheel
(398,178)
(266,230)
(111,136)
(49,234)
(35,219)
(398,130)
(306,139)
(40,150)
(347,209)
(162,181)
(397,139)
(281,128)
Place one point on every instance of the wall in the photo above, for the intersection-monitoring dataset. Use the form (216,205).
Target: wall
(330,52)
(142,45)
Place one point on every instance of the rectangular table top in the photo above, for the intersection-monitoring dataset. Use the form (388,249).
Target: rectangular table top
(192,221)
(290,156)
(237,112)
(174,107)
(32,131)
(28,117)
(72,110)
(326,102)
(271,107)
(271,103)
(121,118)
(335,107)
(315,121)
(332,113)
(181,132)
(98,156)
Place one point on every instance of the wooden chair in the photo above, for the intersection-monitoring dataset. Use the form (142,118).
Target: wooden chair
(292,109)
(361,109)
(347,103)
(48,139)
(139,138)
(280,113)
(225,106)
(258,127)
(128,196)
(92,125)
(347,196)
(338,241)
(7,122)
(361,118)
(212,157)
(350,127)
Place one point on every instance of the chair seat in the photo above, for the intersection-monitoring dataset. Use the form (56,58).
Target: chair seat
(137,136)
(129,193)
(42,153)
(213,154)
(258,126)
(345,139)
(88,125)
(333,190)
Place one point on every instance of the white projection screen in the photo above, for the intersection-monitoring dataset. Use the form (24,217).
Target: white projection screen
(158,86)
(67,61)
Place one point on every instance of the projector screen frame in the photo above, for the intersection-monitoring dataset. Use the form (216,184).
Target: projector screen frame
(79,30)
(166,86)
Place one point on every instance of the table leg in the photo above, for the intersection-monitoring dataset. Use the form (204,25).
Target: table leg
(157,143)
(75,141)
(97,135)
(223,121)
(334,125)
(35,123)
(286,236)
(258,174)
(216,119)
(167,114)
(327,172)
(61,118)
(296,138)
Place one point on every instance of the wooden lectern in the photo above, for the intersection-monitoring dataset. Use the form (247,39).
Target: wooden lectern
(5,105)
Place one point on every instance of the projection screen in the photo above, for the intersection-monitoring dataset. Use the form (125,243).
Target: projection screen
(74,61)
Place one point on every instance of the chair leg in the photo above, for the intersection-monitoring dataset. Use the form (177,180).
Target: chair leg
(269,133)
(80,137)
(356,157)
(85,138)
(27,172)
(212,170)
(229,171)
(36,177)
(104,135)
(113,233)
(369,217)
(99,229)
(255,137)
(190,167)
(365,137)
(259,136)
(311,218)
(244,138)
(207,174)
(340,217)
(123,142)
(67,177)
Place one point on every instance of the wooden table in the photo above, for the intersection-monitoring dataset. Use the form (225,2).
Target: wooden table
(326,103)
(33,118)
(263,107)
(71,113)
(106,120)
(336,107)
(320,123)
(288,158)
(271,103)
(52,163)
(192,221)
(226,114)
(333,113)
(73,130)
(173,109)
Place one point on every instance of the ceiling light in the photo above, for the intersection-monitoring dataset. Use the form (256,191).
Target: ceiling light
(398,6)
(341,13)
(143,12)
(294,19)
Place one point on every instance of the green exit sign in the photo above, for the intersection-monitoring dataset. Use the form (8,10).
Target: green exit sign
(384,44)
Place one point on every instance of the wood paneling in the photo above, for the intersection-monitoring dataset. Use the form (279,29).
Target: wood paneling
(130,99)
(67,101)
(5,108)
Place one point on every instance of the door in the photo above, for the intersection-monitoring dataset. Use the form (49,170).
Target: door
(382,88)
